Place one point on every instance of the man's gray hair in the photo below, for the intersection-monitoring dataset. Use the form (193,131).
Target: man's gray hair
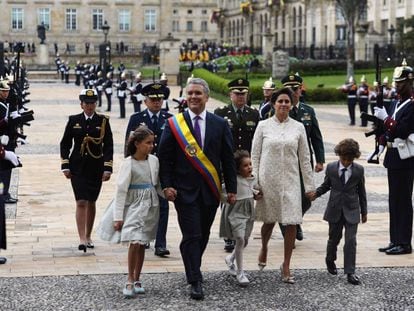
(202,82)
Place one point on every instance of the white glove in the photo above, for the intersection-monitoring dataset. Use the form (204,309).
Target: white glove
(12,157)
(14,114)
(4,140)
(380,113)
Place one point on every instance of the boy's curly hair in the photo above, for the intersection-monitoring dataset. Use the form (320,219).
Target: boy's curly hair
(348,148)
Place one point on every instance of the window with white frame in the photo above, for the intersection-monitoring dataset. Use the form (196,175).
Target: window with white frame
(124,20)
(43,16)
(97,19)
(150,20)
(176,26)
(17,18)
(189,26)
(204,26)
(71,18)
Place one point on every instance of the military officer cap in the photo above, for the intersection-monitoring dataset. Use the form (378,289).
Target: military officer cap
(4,84)
(88,96)
(239,85)
(154,90)
(269,84)
(403,72)
(292,80)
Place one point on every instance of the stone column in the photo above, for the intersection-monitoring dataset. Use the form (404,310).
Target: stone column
(169,58)
(42,55)
(267,46)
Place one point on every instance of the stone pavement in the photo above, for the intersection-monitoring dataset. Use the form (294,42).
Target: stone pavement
(45,270)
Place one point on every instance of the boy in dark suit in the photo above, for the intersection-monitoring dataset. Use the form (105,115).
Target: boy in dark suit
(347,201)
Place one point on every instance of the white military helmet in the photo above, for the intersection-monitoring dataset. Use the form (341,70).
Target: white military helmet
(163,77)
(385,81)
(138,76)
(351,79)
(189,78)
(363,78)
(109,75)
(269,84)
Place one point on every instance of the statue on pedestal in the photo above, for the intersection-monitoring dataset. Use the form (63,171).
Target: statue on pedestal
(41,33)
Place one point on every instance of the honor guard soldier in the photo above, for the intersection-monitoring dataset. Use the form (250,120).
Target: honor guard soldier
(108,90)
(350,89)
(86,150)
(362,93)
(266,106)
(78,72)
(242,121)
(399,125)
(305,114)
(154,118)
(389,94)
(136,96)
(121,93)
(164,81)
(99,83)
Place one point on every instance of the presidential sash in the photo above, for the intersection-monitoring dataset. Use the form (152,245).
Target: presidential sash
(194,153)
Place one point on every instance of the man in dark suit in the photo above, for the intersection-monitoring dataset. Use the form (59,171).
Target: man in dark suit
(196,149)
(306,115)
(155,119)
(399,124)
(242,121)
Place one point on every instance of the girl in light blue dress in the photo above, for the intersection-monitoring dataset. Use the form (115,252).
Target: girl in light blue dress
(136,206)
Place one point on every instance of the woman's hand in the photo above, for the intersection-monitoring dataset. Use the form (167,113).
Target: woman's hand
(364,218)
(118,225)
(311,195)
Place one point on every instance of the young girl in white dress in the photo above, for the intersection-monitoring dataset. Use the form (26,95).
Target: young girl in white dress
(237,219)
(136,206)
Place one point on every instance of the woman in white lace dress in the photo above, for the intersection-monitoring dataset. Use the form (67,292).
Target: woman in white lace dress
(279,154)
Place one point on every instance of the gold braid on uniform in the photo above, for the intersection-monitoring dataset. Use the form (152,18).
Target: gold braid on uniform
(93,140)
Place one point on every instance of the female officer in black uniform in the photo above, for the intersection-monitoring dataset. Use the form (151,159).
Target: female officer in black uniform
(89,163)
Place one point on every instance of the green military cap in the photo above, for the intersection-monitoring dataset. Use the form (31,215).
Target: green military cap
(292,80)
(88,96)
(154,90)
(239,85)
(403,72)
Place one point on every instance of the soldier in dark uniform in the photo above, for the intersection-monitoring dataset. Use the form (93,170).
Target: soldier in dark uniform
(306,114)
(121,93)
(108,90)
(88,163)
(7,158)
(266,106)
(350,89)
(136,96)
(399,124)
(242,120)
(99,87)
(78,71)
(155,119)
(362,93)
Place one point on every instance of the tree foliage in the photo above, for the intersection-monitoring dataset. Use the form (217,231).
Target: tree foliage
(353,11)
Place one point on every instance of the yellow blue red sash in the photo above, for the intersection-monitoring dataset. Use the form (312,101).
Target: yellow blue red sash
(194,153)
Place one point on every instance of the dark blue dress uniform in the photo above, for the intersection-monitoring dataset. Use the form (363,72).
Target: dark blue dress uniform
(91,154)
(363,92)
(156,122)
(242,124)
(351,90)
(400,124)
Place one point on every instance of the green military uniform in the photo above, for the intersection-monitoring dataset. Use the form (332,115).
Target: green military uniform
(242,129)
(242,123)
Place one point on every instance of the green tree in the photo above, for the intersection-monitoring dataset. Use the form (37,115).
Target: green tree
(405,39)
(353,11)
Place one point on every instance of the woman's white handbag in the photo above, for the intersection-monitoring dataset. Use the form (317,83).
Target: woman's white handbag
(405,147)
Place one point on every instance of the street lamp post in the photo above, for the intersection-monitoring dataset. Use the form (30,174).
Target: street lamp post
(391,30)
(104,49)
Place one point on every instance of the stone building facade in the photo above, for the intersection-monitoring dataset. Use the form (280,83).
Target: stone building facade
(308,27)
(134,23)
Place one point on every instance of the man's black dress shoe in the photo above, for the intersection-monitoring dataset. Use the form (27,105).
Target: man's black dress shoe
(353,279)
(399,250)
(299,233)
(3,260)
(384,249)
(196,291)
(330,265)
(161,251)
(10,200)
